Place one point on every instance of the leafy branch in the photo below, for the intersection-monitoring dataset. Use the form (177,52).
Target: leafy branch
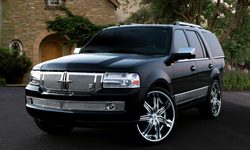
(77,28)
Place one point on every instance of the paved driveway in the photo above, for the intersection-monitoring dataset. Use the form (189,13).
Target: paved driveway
(228,132)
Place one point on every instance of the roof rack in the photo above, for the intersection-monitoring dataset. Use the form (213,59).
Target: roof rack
(187,24)
(132,24)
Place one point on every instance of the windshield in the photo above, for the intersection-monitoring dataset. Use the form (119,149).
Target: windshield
(136,40)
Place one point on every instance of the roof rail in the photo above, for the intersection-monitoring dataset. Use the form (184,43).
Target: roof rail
(187,24)
(132,23)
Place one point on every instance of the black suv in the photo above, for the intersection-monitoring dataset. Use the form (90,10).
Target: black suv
(139,75)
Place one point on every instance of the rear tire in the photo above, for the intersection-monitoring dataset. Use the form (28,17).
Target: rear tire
(52,128)
(158,117)
(212,107)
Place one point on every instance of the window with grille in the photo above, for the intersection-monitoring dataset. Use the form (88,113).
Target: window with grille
(54,4)
(16,45)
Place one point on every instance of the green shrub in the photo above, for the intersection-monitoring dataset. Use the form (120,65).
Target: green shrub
(237,80)
(227,84)
(12,65)
(233,81)
(2,82)
(247,82)
(240,82)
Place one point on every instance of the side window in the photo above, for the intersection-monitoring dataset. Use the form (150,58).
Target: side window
(196,44)
(213,44)
(203,46)
(179,40)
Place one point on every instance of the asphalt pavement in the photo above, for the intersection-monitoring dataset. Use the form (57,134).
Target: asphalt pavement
(230,131)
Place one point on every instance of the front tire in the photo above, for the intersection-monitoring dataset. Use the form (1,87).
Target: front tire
(52,128)
(158,116)
(212,107)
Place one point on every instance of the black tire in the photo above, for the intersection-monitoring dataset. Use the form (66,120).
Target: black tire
(158,117)
(212,107)
(52,128)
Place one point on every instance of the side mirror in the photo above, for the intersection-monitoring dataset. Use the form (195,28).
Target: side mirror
(77,50)
(184,53)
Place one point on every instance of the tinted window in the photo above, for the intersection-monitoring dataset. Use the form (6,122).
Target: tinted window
(203,46)
(148,40)
(195,42)
(213,44)
(179,40)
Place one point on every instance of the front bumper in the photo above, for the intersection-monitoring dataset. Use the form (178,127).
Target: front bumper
(131,98)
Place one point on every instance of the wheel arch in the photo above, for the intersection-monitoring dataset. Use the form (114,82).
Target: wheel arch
(162,84)
(216,74)
(156,78)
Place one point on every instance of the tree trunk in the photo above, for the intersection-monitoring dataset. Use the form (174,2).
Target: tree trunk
(198,21)
(233,25)
(241,8)
(216,13)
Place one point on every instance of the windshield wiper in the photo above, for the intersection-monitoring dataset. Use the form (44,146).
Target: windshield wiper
(127,51)
(90,51)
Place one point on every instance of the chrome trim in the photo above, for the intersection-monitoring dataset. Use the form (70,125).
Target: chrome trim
(201,91)
(69,105)
(65,81)
(111,82)
(191,94)
(187,24)
(77,50)
(185,50)
(93,89)
(218,57)
(196,59)
(42,74)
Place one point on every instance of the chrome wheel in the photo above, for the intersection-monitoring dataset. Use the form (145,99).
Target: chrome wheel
(158,118)
(215,99)
(211,108)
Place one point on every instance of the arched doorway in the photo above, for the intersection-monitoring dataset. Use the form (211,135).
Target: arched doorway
(45,37)
(50,51)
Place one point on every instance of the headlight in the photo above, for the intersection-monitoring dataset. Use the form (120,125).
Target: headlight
(34,78)
(121,80)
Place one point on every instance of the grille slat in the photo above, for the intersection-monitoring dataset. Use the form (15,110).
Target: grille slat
(50,81)
(81,82)
(71,82)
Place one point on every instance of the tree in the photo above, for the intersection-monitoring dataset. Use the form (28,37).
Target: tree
(166,11)
(236,46)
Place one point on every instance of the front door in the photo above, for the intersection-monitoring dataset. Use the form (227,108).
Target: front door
(51,51)
(185,72)
(185,80)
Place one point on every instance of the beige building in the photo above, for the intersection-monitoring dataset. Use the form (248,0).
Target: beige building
(120,15)
(24,25)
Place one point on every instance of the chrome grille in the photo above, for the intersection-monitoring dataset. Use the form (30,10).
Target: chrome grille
(98,82)
(50,80)
(71,82)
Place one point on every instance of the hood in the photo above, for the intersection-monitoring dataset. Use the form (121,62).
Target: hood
(94,62)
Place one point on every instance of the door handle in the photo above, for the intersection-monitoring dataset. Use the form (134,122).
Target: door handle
(210,66)
(192,68)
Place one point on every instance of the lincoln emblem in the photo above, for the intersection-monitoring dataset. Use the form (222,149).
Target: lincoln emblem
(64,82)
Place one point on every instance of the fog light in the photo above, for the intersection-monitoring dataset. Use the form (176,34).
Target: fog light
(110,106)
(30,101)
